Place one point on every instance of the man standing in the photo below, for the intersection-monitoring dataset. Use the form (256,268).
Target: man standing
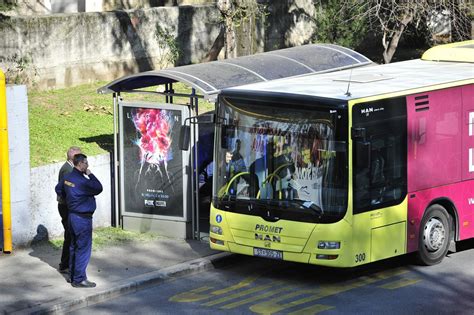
(64,211)
(79,188)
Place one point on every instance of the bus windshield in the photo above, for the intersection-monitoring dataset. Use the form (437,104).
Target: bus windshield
(281,161)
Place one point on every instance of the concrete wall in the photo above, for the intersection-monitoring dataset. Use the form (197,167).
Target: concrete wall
(19,158)
(36,7)
(61,50)
(34,211)
(43,209)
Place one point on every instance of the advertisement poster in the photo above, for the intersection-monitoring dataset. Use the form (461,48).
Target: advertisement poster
(152,163)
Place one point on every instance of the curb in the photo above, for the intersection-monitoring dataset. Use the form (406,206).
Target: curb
(129,285)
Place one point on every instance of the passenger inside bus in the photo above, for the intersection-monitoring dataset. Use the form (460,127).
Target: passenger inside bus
(377,168)
(284,168)
(237,163)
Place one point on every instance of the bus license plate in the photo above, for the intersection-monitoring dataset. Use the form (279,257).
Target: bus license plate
(268,253)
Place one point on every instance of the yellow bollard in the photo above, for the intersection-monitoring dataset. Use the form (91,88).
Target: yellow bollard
(5,168)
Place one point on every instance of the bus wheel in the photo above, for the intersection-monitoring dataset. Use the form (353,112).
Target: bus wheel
(434,236)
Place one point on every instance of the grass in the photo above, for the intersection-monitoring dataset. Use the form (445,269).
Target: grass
(78,116)
(110,236)
(61,118)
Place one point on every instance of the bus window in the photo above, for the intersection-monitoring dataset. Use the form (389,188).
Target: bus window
(286,164)
(380,181)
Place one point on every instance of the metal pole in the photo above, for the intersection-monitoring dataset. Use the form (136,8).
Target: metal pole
(5,168)
(193,189)
(196,163)
(171,91)
(115,176)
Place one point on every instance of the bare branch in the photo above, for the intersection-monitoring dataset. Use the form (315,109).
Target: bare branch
(392,18)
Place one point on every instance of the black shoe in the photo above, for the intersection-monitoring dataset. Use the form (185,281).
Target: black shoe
(68,279)
(84,284)
(63,270)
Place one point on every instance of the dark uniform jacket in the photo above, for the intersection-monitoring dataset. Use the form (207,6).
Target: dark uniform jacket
(79,191)
(65,169)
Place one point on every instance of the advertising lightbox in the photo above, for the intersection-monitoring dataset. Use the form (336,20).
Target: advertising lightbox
(153,181)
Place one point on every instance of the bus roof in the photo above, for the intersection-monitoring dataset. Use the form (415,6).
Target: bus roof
(372,80)
(462,52)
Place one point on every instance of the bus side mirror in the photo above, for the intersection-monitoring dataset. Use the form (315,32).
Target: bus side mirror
(227,132)
(358,133)
(185,130)
(184,137)
(362,147)
(223,136)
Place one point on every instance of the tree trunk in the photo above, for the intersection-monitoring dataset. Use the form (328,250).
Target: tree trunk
(216,48)
(391,47)
(230,41)
(226,8)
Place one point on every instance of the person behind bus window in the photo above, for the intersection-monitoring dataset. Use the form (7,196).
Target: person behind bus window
(205,176)
(237,163)
(377,176)
(284,170)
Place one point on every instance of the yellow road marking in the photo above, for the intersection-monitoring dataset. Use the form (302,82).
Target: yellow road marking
(247,281)
(273,303)
(190,296)
(241,294)
(399,283)
(313,309)
(273,306)
(255,298)
(194,295)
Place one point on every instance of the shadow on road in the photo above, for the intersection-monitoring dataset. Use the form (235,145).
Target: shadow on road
(43,250)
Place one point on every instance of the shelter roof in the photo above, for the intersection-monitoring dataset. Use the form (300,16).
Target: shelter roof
(211,77)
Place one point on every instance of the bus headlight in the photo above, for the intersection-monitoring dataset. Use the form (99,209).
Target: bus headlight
(216,229)
(217,242)
(329,245)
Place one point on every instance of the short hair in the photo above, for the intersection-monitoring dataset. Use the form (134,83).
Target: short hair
(78,158)
(72,151)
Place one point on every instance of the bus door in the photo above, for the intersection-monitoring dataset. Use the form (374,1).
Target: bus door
(379,136)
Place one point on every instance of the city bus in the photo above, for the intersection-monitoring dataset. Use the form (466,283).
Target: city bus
(350,167)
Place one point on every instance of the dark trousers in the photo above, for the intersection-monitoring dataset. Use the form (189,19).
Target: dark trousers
(64,213)
(81,246)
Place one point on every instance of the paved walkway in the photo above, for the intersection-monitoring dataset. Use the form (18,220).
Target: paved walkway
(31,284)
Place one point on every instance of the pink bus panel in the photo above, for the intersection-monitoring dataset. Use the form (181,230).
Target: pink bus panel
(440,157)
(460,194)
(434,138)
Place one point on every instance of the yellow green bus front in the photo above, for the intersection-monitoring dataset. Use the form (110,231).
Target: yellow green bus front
(370,201)
(371,229)
(353,241)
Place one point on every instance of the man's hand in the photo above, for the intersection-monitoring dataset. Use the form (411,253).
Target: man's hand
(88,171)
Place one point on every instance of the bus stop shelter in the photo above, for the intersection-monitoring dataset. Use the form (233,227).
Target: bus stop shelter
(156,185)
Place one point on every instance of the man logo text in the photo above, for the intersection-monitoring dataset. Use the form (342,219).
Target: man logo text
(268,238)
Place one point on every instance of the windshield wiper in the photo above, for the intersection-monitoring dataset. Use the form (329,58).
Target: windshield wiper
(288,205)
(272,208)
(308,204)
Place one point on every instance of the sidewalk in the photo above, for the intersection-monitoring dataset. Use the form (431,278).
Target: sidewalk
(31,284)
